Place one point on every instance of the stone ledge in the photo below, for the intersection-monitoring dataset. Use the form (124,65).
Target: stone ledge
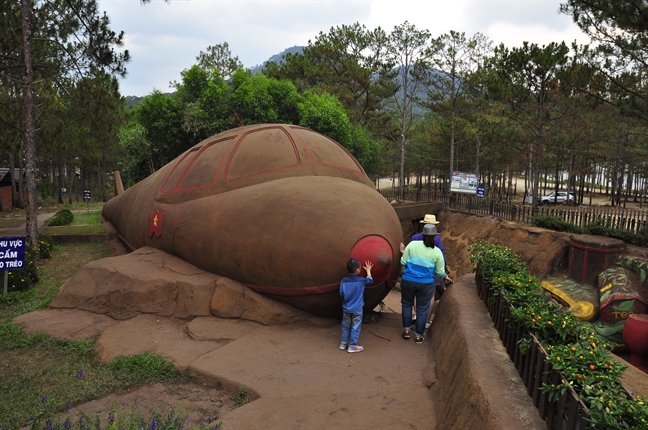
(477,385)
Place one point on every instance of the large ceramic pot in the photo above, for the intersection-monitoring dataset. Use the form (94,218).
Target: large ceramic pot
(635,337)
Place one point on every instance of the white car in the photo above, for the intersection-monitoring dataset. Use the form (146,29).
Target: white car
(563,197)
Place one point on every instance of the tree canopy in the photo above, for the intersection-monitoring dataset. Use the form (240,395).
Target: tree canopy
(205,104)
(404,102)
(48,46)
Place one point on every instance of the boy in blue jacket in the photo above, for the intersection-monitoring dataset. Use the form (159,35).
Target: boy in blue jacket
(352,293)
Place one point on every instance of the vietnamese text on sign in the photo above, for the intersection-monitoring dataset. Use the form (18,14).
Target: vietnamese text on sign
(12,253)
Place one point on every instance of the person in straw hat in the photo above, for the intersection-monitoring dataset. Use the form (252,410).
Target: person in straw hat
(431,219)
(422,261)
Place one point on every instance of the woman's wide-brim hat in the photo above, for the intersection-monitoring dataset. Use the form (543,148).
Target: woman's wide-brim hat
(429,219)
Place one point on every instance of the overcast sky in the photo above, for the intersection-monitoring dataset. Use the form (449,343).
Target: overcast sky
(165,38)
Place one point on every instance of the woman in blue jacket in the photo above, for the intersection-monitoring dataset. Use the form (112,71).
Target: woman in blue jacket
(422,260)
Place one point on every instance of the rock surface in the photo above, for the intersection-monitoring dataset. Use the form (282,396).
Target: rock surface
(234,300)
(219,329)
(545,251)
(166,337)
(145,281)
(69,324)
(150,281)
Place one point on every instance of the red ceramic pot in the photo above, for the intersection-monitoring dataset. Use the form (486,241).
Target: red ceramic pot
(635,337)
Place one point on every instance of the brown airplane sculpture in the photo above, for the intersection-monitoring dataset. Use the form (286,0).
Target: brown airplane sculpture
(277,207)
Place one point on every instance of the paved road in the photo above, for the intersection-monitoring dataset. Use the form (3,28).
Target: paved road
(21,230)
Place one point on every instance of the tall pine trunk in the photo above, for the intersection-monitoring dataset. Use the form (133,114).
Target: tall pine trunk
(29,138)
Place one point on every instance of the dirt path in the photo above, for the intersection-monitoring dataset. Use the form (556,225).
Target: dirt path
(21,230)
(296,378)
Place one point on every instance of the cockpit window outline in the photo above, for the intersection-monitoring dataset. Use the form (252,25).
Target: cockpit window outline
(220,162)
(198,151)
(312,156)
(184,157)
(240,140)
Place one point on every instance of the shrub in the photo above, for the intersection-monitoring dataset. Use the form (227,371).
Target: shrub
(495,259)
(44,246)
(601,227)
(643,236)
(23,279)
(598,227)
(628,236)
(62,217)
(241,398)
(554,223)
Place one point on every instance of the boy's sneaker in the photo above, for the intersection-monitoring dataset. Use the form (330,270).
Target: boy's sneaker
(419,339)
(354,348)
(344,345)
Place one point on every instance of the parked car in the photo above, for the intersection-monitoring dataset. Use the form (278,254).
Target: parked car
(562,197)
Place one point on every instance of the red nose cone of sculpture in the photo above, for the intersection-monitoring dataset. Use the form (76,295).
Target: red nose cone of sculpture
(377,250)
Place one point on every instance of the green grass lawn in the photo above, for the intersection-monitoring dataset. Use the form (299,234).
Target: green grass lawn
(83,223)
(86,214)
(43,375)
(74,207)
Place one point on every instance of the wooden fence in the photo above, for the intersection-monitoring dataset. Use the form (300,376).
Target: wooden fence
(613,217)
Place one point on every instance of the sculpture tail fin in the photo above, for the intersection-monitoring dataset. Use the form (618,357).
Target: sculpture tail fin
(119,186)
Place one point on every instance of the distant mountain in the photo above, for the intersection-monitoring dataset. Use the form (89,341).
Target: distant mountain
(278,58)
(133,101)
